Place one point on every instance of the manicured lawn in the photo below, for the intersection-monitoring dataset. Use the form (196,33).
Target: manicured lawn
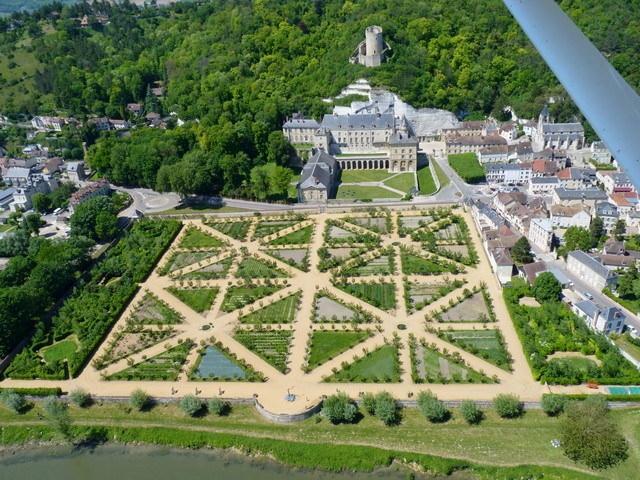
(466,165)
(426,184)
(271,346)
(239,296)
(381,365)
(60,350)
(403,182)
(199,299)
(235,229)
(442,177)
(381,295)
(355,192)
(280,311)
(325,345)
(6,227)
(484,343)
(253,268)
(195,238)
(299,237)
(166,366)
(360,176)
(378,266)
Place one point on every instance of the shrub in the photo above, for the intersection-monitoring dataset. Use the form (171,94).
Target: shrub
(139,399)
(58,413)
(339,408)
(507,405)
(13,401)
(53,406)
(553,405)
(470,412)
(432,408)
(386,408)
(80,397)
(218,407)
(369,403)
(191,405)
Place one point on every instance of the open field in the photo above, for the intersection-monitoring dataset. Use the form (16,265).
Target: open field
(402,181)
(467,167)
(361,176)
(516,448)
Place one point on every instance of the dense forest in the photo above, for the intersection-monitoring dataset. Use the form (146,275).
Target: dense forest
(234,70)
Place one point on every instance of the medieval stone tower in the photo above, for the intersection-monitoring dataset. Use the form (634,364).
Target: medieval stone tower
(370,52)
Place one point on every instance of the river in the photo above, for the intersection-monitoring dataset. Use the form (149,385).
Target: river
(113,462)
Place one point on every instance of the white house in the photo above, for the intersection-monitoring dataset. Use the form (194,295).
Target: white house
(541,233)
(563,216)
(591,270)
(542,185)
(606,321)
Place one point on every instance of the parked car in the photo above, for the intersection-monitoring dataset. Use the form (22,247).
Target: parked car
(588,295)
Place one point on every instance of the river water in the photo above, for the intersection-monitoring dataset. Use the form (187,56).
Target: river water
(114,462)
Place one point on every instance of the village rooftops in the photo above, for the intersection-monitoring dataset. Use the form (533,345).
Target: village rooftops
(400,139)
(478,140)
(591,263)
(592,193)
(301,123)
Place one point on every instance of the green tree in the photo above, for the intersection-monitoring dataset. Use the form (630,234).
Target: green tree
(553,405)
(41,203)
(470,412)
(626,281)
(597,230)
(578,238)
(13,401)
(94,218)
(507,405)
(588,434)
(620,229)
(33,222)
(58,415)
(191,405)
(521,251)
(432,408)
(278,149)
(80,397)
(281,179)
(339,408)
(260,181)
(218,406)
(547,288)
(139,399)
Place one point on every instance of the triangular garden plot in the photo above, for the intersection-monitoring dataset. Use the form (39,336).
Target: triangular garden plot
(418,295)
(431,366)
(165,366)
(213,271)
(237,296)
(198,299)
(251,267)
(280,311)
(180,260)
(296,257)
(194,239)
(216,363)
(328,310)
(237,229)
(486,344)
(270,345)
(380,295)
(378,225)
(413,264)
(269,227)
(324,345)
(298,237)
(473,309)
(380,365)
